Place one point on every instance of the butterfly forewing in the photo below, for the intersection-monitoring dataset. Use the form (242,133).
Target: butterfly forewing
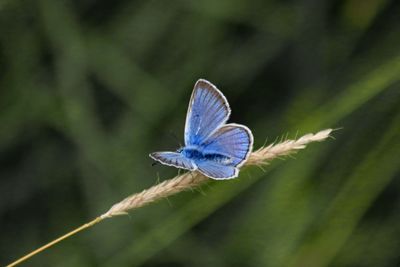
(208,110)
(232,140)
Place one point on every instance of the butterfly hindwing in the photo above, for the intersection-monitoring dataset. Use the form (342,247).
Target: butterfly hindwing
(217,170)
(174,159)
(208,110)
(232,140)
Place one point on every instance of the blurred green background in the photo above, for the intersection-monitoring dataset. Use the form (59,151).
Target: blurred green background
(89,88)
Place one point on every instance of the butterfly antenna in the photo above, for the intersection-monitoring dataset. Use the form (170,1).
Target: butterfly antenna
(173,135)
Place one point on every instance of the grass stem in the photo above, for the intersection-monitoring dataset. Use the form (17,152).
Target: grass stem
(52,243)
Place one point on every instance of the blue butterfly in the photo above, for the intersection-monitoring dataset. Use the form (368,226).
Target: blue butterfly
(212,147)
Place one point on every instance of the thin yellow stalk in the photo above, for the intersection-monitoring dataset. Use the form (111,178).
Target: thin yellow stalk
(55,241)
(186,181)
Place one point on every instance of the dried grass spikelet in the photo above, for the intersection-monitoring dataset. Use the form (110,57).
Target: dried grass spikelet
(187,181)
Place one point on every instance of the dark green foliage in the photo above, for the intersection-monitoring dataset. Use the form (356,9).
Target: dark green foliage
(89,88)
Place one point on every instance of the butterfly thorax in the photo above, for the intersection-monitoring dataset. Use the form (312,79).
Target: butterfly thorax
(199,154)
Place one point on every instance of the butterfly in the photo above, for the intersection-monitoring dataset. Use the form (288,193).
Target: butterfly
(212,147)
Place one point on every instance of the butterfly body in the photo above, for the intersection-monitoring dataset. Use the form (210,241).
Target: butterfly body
(198,154)
(212,147)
